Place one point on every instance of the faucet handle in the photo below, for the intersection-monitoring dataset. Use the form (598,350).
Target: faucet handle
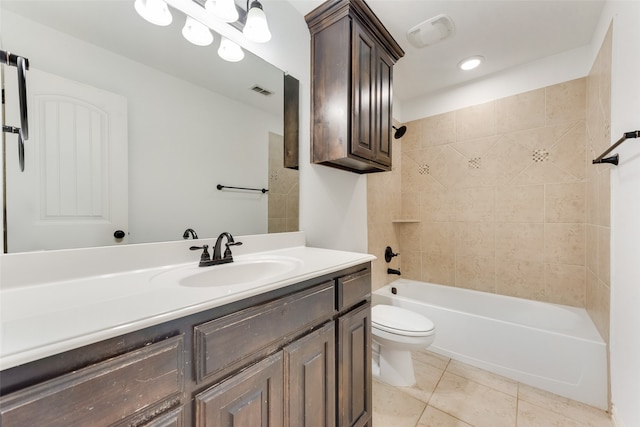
(205,252)
(227,251)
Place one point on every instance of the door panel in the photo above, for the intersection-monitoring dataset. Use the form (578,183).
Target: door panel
(73,191)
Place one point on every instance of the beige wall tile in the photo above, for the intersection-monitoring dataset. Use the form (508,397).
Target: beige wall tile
(411,266)
(592,248)
(520,241)
(520,203)
(566,101)
(565,284)
(564,243)
(438,130)
(565,202)
(412,139)
(417,171)
(277,205)
(569,152)
(438,268)
(476,122)
(410,205)
(475,204)
(438,237)
(476,147)
(519,278)
(449,167)
(604,255)
(475,238)
(438,205)
(598,304)
(522,111)
(604,198)
(476,272)
(409,235)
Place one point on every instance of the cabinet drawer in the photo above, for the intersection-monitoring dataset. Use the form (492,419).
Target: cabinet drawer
(148,379)
(353,288)
(231,342)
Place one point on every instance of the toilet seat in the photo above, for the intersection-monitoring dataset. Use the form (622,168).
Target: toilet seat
(397,320)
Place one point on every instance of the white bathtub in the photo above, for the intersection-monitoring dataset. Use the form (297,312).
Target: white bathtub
(552,347)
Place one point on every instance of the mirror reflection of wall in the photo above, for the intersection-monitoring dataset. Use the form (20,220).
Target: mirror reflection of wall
(192,122)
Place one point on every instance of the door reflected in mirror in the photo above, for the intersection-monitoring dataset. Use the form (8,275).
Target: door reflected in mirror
(132,128)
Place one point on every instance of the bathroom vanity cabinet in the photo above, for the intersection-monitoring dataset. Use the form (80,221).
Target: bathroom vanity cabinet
(352,58)
(281,358)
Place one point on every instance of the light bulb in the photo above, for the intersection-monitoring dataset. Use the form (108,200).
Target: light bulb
(196,32)
(155,11)
(224,10)
(230,51)
(470,63)
(257,29)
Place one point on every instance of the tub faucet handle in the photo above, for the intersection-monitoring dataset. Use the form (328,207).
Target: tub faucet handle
(388,254)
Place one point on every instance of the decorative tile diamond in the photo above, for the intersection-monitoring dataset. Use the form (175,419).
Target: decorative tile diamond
(541,155)
(423,169)
(273,175)
(474,163)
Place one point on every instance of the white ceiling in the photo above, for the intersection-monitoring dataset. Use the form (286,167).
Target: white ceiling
(507,33)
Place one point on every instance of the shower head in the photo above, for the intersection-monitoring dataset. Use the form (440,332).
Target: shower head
(399,131)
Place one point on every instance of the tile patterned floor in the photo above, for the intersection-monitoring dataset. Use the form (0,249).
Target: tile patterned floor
(452,394)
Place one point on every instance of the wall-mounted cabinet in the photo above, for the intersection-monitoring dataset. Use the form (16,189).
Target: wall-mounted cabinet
(352,58)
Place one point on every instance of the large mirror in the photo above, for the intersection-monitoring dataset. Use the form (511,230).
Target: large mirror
(133,128)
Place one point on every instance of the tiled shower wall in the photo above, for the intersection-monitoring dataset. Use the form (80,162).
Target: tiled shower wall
(497,192)
(598,194)
(284,190)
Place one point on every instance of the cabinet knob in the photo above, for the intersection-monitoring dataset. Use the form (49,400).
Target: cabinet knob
(119,234)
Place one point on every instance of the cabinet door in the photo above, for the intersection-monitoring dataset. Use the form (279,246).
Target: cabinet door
(384,94)
(354,368)
(135,386)
(251,398)
(310,380)
(364,94)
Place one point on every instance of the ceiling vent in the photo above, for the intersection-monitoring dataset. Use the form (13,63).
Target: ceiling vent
(431,31)
(261,91)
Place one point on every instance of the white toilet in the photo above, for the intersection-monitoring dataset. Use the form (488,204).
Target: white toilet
(395,332)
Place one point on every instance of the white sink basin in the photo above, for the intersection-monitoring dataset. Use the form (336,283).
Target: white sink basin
(239,275)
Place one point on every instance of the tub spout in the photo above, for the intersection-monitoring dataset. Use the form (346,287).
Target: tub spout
(393,271)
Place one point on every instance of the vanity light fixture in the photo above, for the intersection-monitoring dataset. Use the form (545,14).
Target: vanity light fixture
(256,28)
(224,10)
(155,11)
(470,63)
(196,32)
(230,51)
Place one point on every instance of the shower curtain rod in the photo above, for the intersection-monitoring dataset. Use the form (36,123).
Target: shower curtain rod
(614,159)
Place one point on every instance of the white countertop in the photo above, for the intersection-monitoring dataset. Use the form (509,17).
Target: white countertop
(45,318)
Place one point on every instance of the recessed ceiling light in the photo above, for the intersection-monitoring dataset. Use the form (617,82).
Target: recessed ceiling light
(470,63)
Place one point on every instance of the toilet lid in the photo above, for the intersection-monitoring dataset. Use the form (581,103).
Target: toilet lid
(400,320)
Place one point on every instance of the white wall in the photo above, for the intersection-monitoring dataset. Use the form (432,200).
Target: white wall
(173,169)
(333,208)
(548,71)
(625,210)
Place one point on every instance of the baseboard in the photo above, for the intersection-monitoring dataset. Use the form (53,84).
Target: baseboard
(614,418)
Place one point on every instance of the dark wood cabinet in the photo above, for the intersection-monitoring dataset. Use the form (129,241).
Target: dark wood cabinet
(253,397)
(311,380)
(130,389)
(352,58)
(298,356)
(354,359)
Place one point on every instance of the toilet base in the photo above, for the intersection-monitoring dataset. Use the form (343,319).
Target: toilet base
(396,367)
